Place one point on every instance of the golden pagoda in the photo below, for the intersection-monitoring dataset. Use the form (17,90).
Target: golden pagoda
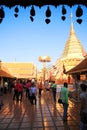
(72,54)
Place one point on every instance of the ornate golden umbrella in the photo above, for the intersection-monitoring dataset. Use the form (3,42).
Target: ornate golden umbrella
(44,59)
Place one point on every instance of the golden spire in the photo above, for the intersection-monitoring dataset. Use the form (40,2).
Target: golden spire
(72,27)
(71,16)
(73,48)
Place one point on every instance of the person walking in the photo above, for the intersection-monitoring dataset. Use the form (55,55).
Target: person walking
(20,90)
(83,107)
(16,87)
(33,93)
(40,87)
(5,87)
(54,87)
(28,84)
(64,97)
(1,97)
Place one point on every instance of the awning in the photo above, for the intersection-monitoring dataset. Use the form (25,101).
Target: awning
(80,68)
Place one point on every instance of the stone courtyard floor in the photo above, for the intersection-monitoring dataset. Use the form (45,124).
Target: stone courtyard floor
(45,115)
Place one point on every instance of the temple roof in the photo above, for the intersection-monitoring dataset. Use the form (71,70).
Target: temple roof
(80,68)
(73,48)
(21,69)
(4,72)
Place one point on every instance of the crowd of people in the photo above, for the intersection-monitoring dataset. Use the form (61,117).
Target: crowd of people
(33,89)
(28,86)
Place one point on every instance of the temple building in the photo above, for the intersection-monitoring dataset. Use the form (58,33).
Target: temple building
(73,54)
(22,70)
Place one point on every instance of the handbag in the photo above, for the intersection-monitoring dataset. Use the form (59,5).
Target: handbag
(60,101)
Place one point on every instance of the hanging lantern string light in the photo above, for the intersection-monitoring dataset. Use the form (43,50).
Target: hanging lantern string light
(16,12)
(48,14)
(32,13)
(63,13)
(63,10)
(79,13)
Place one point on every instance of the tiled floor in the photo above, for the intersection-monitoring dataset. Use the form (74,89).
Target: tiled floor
(45,115)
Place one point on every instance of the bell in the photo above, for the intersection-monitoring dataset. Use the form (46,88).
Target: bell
(31,18)
(63,18)
(47,21)
(79,21)
(16,15)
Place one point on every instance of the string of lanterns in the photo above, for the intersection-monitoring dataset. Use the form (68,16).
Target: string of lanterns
(79,13)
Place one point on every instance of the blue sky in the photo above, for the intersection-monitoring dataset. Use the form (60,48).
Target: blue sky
(24,41)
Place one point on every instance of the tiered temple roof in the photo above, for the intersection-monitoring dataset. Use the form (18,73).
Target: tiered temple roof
(21,70)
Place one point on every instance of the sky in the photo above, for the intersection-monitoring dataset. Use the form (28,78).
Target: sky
(24,41)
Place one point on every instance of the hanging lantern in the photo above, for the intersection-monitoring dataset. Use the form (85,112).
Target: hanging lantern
(79,21)
(32,11)
(79,11)
(32,14)
(31,18)
(48,12)
(2,14)
(1,20)
(63,10)
(16,10)
(47,21)
(63,17)
(16,15)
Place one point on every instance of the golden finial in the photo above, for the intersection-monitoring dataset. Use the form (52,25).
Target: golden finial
(71,16)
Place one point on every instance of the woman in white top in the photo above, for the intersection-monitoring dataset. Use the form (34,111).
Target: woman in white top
(33,93)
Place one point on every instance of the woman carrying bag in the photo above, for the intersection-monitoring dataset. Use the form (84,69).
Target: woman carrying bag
(64,98)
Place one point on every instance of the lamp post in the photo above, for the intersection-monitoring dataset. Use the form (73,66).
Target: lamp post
(44,59)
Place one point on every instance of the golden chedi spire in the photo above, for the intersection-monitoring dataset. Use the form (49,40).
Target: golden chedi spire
(73,54)
(73,48)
